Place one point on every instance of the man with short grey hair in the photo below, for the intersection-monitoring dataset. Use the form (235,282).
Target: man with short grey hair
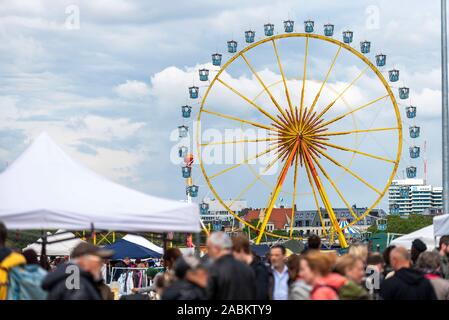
(229,279)
(406,283)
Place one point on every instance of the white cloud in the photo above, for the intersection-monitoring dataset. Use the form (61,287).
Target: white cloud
(132,89)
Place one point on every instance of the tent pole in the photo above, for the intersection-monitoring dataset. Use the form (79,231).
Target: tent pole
(164,240)
(44,260)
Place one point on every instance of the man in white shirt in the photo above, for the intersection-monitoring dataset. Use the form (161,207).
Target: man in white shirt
(280,272)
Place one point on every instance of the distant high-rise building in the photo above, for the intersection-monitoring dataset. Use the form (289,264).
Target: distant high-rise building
(413,196)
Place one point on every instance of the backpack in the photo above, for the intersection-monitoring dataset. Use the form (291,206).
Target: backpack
(348,291)
(25,283)
(11,261)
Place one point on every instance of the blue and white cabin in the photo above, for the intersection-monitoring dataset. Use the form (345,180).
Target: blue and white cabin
(183,130)
(204,208)
(329,30)
(249,36)
(381,60)
(186,111)
(404,93)
(365,47)
(192,191)
(182,151)
(186,172)
(308,26)
(404,192)
(216,59)
(394,208)
(232,46)
(411,172)
(414,131)
(348,36)
(204,74)
(193,92)
(411,112)
(393,75)
(381,224)
(268,28)
(414,152)
(288,25)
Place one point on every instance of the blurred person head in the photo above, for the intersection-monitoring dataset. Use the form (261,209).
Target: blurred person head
(3,234)
(444,246)
(30,256)
(429,262)
(127,261)
(400,258)
(375,260)
(241,249)
(170,256)
(386,254)
(90,258)
(314,265)
(277,256)
(350,267)
(418,247)
(218,245)
(293,266)
(360,251)
(190,268)
(314,242)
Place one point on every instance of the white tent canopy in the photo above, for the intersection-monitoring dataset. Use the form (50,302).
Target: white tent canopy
(143,242)
(441,225)
(45,189)
(425,234)
(61,248)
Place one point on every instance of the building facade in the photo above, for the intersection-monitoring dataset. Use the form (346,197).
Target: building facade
(217,215)
(413,196)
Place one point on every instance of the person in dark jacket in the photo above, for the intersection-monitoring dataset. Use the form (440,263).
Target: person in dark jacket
(406,283)
(229,279)
(79,279)
(241,251)
(191,281)
(313,243)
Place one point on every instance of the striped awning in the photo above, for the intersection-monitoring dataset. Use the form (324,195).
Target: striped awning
(350,230)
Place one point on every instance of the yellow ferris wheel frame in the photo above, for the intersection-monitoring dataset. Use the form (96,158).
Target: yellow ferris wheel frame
(290,160)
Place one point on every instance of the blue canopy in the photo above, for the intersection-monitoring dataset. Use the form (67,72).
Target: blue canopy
(123,248)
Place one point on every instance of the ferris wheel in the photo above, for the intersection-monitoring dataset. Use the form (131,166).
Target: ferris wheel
(321,115)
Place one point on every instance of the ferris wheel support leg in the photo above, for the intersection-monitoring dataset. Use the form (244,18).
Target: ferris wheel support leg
(277,189)
(325,199)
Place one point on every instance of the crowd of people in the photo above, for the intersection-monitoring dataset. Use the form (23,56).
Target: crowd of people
(231,271)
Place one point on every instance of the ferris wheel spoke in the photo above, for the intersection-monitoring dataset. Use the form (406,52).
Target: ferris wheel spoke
(355,151)
(241,194)
(264,86)
(277,189)
(295,176)
(342,93)
(246,161)
(281,70)
(325,79)
(304,76)
(331,181)
(323,195)
(320,215)
(352,173)
(255,124)
(339,133)
(238,141)
(263,111)
(351,112)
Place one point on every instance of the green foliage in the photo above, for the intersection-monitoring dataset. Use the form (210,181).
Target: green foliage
(396,224)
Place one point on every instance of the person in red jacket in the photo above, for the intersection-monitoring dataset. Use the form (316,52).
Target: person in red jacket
(316,270)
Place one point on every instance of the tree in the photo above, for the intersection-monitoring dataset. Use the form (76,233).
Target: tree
(398,224)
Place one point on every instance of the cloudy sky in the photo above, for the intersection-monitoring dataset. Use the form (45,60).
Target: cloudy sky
(106,79)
